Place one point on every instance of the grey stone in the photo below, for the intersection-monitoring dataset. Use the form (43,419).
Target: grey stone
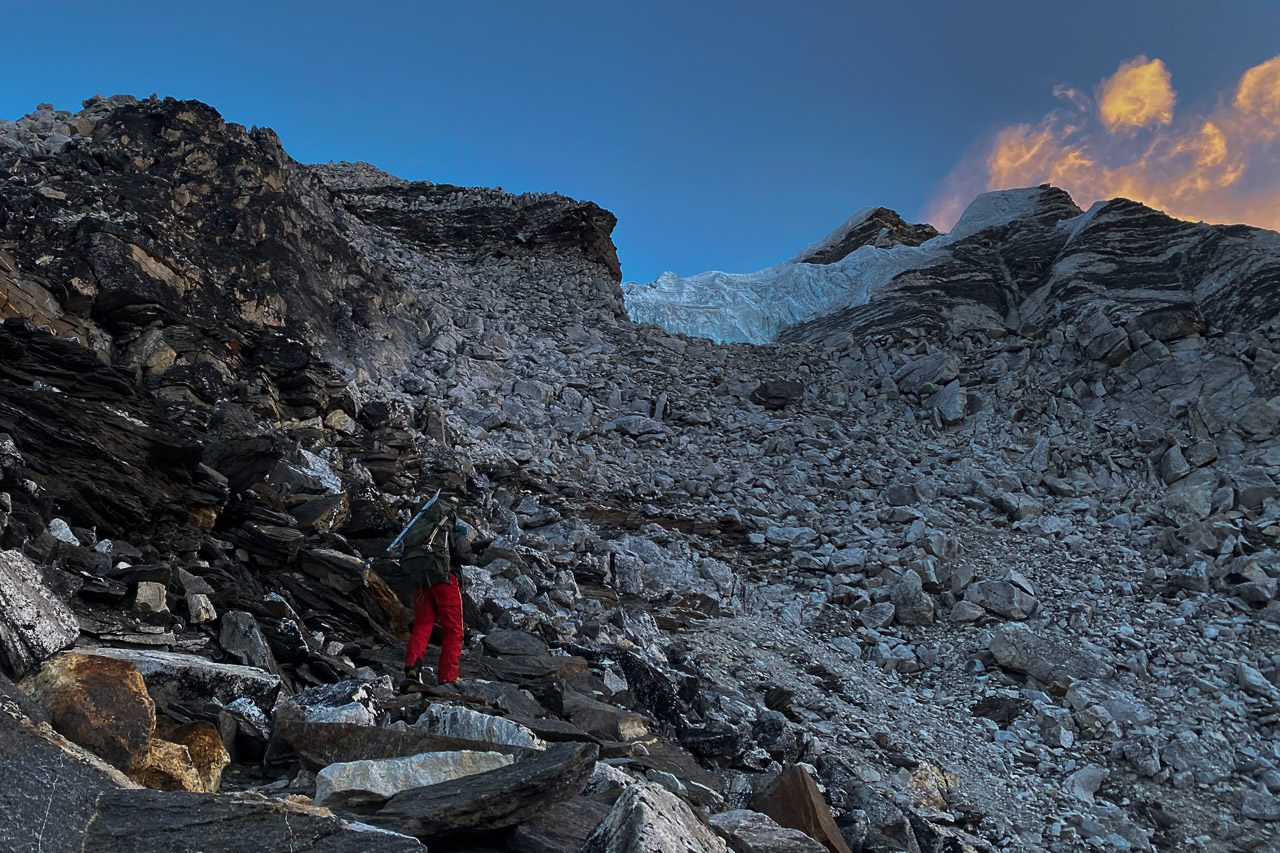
(464,723)
(912,605)
(388,776)
(752,832)
(651,819)
(1002,598)
(1019,648)
(951,403)
(877,616)
(1173,467)
(34,623)
(174,678)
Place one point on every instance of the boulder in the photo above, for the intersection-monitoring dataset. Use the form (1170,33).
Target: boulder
(175,678)
(794,801)
(166,766)
(752,832)
(493,800)
(98,702)
(912,605)
(1173,466)
(240,636)
(1002,598)
(777,394)
(1123,706)
(651,819)
(388,776)
(1019,648)
(934,370)
(34,623)
(951,403)
(321,744)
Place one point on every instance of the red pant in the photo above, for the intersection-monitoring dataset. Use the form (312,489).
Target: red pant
(442,601)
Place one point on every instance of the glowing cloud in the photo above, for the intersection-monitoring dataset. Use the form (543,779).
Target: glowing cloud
(1218,166)
(1140,93)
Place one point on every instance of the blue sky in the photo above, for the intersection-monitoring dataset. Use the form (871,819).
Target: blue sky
(724,135)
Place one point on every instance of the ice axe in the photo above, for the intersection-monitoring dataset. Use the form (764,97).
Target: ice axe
(414,520)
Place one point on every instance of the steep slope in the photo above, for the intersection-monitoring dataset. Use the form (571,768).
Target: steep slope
(1002,585)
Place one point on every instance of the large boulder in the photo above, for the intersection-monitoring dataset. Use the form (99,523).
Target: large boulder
(563,828)
(34,624)
(388,776)
(98,702)
(60,782)
(205,750)
(651,819)
(1002,598)
(777,393)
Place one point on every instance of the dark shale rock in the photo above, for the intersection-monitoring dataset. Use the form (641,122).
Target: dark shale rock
(155,822)
(777,394)
(493,800)
(60,783)
(562,829)
(321,744)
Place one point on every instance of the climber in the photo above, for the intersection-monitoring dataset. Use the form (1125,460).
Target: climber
(429,543)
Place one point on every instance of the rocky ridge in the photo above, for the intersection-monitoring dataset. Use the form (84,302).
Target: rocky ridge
(990,558)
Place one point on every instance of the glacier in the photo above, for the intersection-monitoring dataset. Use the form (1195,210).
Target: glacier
(755,307)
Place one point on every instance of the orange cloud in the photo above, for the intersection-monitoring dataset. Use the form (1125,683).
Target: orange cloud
(1217,166)
(1139,94)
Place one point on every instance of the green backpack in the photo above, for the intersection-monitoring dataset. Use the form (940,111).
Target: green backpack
(425,560)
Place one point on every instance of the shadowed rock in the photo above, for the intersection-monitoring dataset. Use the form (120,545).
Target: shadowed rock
(493,800)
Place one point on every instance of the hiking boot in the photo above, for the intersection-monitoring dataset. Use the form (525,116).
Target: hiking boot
(412,677)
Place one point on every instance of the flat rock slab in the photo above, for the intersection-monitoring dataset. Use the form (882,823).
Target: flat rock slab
(168,822)
(389,776)
(651,819)
(493,800)
(562,829)
(321,744)
(190,680)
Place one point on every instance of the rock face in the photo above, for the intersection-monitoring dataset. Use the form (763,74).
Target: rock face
(1015,513)
(34,623)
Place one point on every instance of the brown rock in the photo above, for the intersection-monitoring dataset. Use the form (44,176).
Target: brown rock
(208,756)
(98,702)
(794,801)
(165,766)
